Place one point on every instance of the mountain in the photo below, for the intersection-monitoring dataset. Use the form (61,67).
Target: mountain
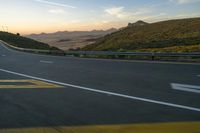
(71,40)
(138,23)
(23,42)
(182,35)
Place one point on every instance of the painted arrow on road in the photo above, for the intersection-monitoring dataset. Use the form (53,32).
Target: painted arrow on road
(184,87)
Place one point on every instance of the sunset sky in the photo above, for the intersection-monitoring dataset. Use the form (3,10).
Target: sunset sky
(36,16)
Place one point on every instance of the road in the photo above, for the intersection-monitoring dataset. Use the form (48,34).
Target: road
(51,91)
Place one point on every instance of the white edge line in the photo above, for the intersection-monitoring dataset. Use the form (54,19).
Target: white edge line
(4,46)
(107,92)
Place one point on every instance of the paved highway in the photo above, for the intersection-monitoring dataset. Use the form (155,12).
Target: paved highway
(38,91)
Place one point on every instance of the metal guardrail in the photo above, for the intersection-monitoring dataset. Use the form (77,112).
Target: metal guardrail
(105,53)
(148,54)
(54,52)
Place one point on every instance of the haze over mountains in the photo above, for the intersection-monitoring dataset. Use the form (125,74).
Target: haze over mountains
(71,39)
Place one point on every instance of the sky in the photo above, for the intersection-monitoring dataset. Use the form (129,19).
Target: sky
(36,16)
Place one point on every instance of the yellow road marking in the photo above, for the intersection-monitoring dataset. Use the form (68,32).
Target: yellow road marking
(176,127)
(35,84)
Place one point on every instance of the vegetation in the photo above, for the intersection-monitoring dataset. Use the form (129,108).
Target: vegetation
(22,42)
(168,36)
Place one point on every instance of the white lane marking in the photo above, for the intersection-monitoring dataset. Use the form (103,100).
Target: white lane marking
(5,47)
(198,75)
(107,92)
(43,61)
(184,87)
(3,55)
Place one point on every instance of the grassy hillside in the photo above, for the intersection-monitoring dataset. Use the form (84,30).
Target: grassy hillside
(167,36)
(23,42)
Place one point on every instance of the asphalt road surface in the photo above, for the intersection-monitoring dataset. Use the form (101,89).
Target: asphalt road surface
(52,91)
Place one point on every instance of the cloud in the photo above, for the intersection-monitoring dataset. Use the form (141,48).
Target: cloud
(184,1)
(57,11)
(116,12)
(154,17)
(121,13)
(191,15)
(142,11)
(74,21)
(55,3)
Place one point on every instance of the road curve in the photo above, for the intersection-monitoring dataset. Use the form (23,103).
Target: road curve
(67,91)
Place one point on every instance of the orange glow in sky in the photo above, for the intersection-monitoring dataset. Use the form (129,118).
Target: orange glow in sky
(36,16)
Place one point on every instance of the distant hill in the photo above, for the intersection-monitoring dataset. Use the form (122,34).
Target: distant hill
(138,23)
(69,40)
(23,42)
(181,35)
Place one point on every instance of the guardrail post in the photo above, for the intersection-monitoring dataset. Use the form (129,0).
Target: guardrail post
(153,56)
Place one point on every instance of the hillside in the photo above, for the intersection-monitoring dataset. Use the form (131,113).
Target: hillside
(71,39)
(22,42)
(181,35)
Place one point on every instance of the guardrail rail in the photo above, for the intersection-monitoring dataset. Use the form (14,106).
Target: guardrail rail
(132,54)
(53,52)
(151,55)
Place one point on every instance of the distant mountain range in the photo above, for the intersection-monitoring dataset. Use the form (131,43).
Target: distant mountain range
(71,40)
(181,35)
